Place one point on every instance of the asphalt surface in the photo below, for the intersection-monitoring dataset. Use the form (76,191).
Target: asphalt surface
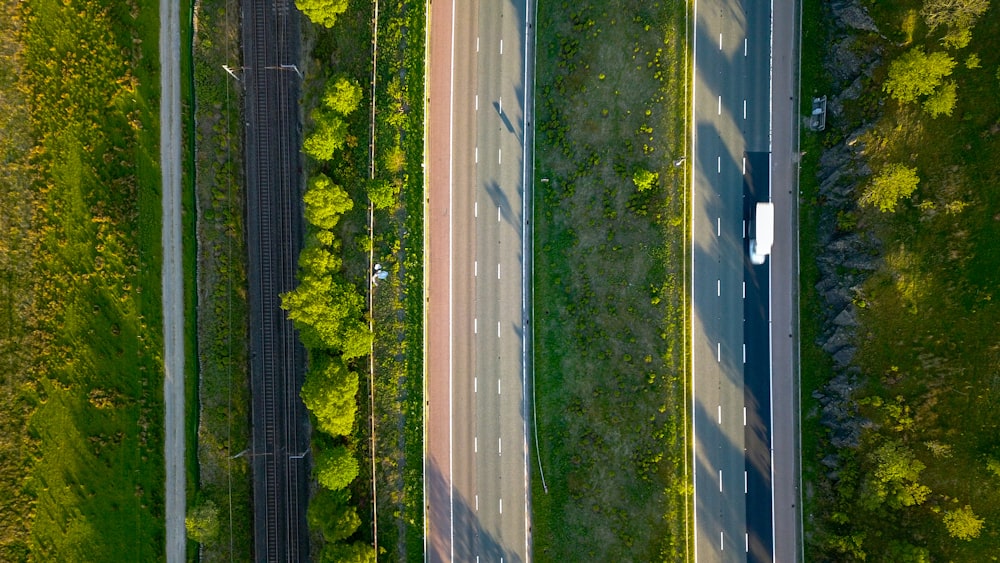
(730,341)
(280,437)
(784,264)
(476,476)
(173,281)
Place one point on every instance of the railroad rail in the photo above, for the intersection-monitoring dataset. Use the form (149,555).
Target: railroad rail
(279,449)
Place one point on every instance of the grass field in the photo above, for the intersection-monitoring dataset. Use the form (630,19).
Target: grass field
(223,400)
(82,403)
(928,344)
(609,283)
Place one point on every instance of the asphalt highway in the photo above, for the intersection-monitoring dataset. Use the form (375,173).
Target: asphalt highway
(476,476)
(731,138)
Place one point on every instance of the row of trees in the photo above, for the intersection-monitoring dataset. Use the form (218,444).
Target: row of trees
(329,313)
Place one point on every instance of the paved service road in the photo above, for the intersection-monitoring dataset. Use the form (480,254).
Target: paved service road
(476,476)
(784,284)
(738,312)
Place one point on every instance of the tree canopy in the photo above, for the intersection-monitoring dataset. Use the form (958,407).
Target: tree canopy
(330,513)
(328,136)
(963,524)
(357,552)
(893,183)
(325,202)
(895,476)
(330,393)
(342,95)
(335,468)
(202,522)
(955,14)
(942,102)
(322,12)
(916,74)
(645,180)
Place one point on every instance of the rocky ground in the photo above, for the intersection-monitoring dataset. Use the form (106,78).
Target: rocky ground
(846,257)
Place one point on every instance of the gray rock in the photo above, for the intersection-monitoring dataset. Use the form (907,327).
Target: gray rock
(854,16)
(838,297)
(831,461)
(844,356)
(840,338)
(847,317)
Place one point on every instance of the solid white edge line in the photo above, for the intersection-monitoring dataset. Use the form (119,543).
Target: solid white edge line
(451,284)
(694,423)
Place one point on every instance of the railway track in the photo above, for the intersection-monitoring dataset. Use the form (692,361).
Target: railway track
(279,454)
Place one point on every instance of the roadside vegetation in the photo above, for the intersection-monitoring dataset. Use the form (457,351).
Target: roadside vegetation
(330,306)
(609,283)
(219,509)
(396,193)
(922,483)
(81,449)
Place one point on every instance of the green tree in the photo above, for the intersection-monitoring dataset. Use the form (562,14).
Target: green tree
(963,524)
(916,74)
(202,522)
(322,12)
(893,183)
(902,552)
(382,193)
(356,552)
(342,95)
(327,312)
(328,136)
(942,102)
(955,14)
(325,202)
(330,513)
(895,476)
(330,393)
(336,468)
(645,180)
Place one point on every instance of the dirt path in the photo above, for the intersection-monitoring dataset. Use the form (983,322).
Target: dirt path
(173,279)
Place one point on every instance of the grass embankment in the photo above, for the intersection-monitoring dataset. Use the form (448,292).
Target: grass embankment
(610,330)
(398,300)
(223,387)
(82,433)
(927,344)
